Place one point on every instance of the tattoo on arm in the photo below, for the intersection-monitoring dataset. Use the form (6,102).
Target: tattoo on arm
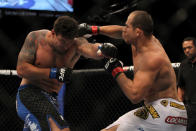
(82,40)
(27,53)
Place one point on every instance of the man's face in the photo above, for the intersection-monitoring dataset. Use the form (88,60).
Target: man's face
(189,49)
(61,44)
(129,33)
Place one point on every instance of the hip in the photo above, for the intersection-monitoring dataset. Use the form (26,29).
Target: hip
(50,85)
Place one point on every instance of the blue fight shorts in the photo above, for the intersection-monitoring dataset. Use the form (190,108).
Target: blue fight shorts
(34,106)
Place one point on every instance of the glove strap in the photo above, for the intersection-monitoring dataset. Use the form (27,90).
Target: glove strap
(53,73)
(117,72)
(99,47)
(95,30)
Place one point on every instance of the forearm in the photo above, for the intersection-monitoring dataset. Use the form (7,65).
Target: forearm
(127,87)
(113,31)
(30,71)
(89,50)
(92,51)
(115,67)
(180,94)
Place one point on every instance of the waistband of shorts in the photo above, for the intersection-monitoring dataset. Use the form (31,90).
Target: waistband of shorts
(164,99)
(29,85)
(23,86)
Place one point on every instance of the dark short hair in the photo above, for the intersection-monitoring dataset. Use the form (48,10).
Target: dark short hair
(190,39)
(66,26)
(144,21)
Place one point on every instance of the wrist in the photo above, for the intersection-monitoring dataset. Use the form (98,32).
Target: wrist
(53,72)
(117,71)
(95,30)
(100,46)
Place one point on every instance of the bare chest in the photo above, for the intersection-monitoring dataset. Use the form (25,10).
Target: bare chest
(47,57)
(138,63)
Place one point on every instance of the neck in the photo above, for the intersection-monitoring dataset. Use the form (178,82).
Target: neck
(143,43)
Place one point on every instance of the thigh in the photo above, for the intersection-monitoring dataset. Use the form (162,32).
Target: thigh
(41,107)
(125,122)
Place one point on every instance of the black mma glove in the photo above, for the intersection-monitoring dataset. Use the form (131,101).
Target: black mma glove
(84,29)
(114,66)
(61,74)
(108,50)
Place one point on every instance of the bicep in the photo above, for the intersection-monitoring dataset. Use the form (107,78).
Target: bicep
(143,81)
(113,31)
(87,49)
(27,53)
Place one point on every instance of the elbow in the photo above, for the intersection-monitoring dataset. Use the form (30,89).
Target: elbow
(135,98)
(21,69)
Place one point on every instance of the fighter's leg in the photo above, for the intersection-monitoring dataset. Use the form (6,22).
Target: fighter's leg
(41,105)
(113,128)
(54,126)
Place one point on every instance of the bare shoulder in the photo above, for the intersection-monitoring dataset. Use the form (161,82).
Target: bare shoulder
(155,62)
(39,33)
(80,40)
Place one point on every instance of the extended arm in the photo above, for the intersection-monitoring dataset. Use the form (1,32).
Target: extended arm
(113,31)
(90,50)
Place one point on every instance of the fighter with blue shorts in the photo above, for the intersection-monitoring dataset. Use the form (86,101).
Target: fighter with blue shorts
(45,63)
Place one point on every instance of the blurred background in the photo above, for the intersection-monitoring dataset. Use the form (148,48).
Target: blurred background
(91,109)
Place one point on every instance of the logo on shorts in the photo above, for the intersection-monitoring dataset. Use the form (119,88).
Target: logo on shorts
(30,124)
(152,111)
(142,113)
(176,105)
(176,120)
(61,117)
(164,103)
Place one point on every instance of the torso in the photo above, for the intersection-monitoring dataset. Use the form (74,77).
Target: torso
(47,57)
(164,86)
(187,75)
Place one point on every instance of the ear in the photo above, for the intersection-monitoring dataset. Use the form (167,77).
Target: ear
(53,32)
(138,32)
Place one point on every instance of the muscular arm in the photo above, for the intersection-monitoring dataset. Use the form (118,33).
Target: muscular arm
(138,88)
(180,94)
(25,67)
(87,49)
(113,31)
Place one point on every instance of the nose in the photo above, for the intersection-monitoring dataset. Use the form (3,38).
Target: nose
(124,29)
(186,50)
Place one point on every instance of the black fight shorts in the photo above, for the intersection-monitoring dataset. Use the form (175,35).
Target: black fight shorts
(34,106)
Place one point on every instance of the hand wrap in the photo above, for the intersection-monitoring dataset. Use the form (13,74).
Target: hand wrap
(114,66)
(61,74)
